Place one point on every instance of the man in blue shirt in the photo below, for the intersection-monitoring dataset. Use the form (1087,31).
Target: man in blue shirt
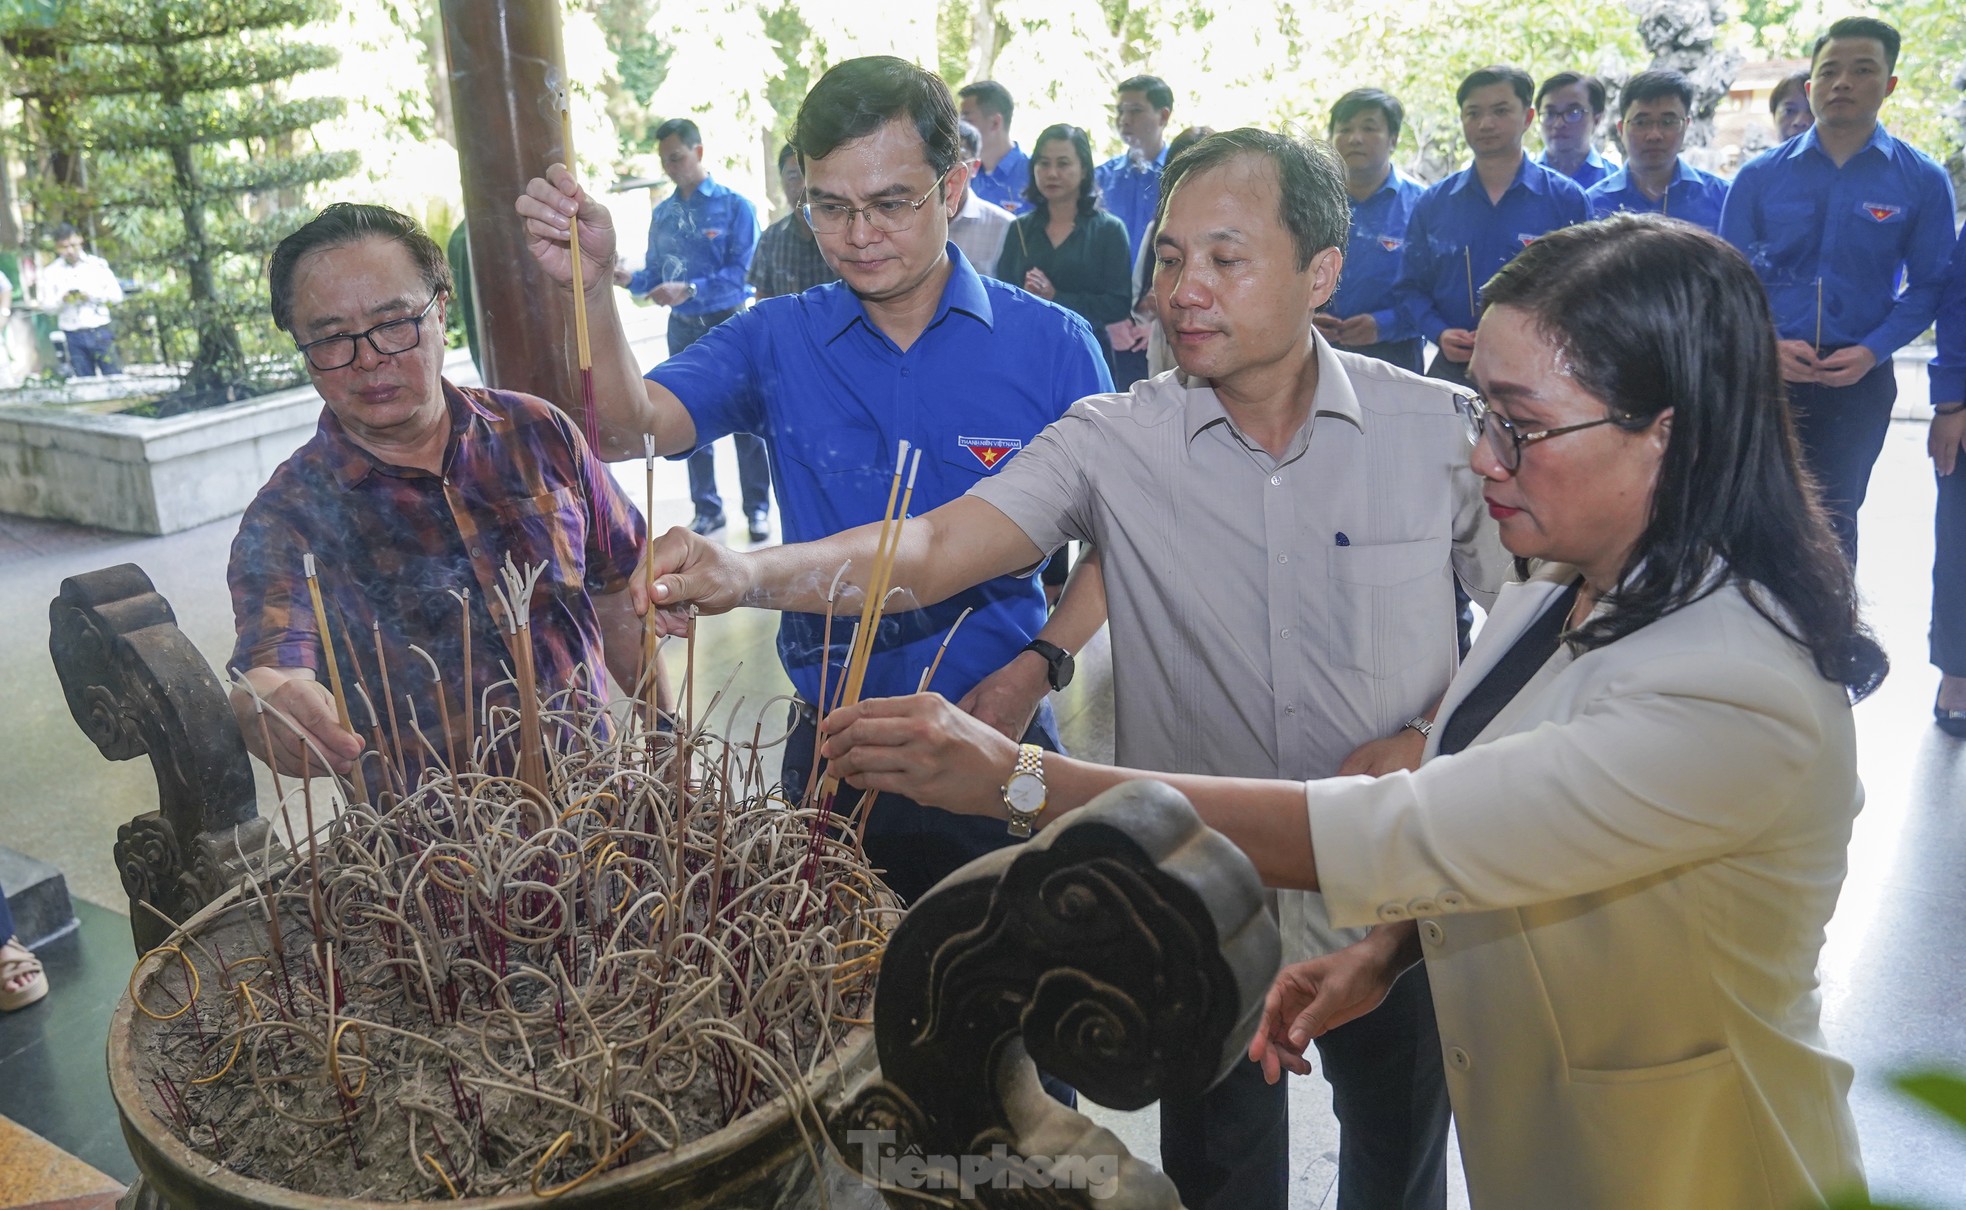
(1129,187)
(1653,110)
(1572,108)
(1828,220)
(701,240)
(1468,226)
(1360,317)
(909,344)
(1944,442)
(987,106)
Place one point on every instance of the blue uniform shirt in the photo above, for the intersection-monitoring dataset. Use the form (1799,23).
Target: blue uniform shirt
(1373,256)
(832,396)
(1131,190)
(1693,195)
(1456,239)
(1948,369)
(1588,173)
(1004,184)
(1802,220)
(706,239)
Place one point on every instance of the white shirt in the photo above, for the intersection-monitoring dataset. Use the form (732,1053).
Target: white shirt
(1268,615)
(91,278)
(979,230)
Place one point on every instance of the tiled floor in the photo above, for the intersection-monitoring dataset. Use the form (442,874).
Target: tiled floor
(1894,972)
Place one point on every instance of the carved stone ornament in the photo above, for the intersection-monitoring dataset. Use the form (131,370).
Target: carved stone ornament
(137,686)
(1127,951)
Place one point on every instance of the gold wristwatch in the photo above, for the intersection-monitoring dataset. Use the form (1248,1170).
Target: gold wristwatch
(1023,792)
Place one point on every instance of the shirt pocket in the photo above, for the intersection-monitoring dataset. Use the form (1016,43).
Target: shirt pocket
(1791,233)
(549,528)
(848,464)
(1389,605)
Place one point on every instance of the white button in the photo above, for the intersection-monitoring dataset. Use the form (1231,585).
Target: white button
(1276,480)
(1290,709)
(1452,901)
(1392,911)
(1283,558)
(1459,1058)
(1284,633)
(1423,907)
(477,552)
(1432,933)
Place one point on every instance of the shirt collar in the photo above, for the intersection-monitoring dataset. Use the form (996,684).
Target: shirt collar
(1807,141)
(1535,182)
(964,292)
(351,464)
(1202,407)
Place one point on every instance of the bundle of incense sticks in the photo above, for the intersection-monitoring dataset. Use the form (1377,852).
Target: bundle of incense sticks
(516,596)
(650,637)
(334,668)
(590,424)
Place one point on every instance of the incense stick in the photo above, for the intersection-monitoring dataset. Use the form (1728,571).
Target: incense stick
(928,674)
(883,577)
(589,422)
(650,672)
(1819,317)
(871,590)
(1467,256)
(334,668)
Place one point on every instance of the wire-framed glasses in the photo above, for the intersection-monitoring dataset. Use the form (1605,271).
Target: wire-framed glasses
(889,215)
(1503,436)
(388,339)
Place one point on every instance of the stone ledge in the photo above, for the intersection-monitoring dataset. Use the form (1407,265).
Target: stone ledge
(37,895)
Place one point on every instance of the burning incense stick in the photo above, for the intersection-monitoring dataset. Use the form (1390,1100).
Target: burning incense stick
(928,674)
(651,673)
(470,686)
(334,668)
(1467,257)
(516,596)
(1819,317)
(590,425)
(878,590)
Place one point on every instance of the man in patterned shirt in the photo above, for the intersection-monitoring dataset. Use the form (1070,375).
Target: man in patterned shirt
(788,259)
(410,496)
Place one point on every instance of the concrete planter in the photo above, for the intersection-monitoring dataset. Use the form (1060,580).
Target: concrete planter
(148,476)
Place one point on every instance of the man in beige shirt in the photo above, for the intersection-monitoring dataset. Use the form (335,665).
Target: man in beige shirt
(1281,526)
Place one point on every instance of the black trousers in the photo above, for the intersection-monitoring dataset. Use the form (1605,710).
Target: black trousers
(1230,1149)
(1403,353)
(1842,431)
(1949,575)
(1449,371)
(753,467)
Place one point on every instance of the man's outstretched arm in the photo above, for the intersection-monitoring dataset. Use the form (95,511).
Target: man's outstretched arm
(629,405)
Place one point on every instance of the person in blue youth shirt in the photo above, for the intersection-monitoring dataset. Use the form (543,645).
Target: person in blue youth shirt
(910,343)
(1944,442)
(1006,171)
(1360,317)
(1828,220)
(701,241)
(1468,226)
(1653,110)
(1129,185)
(1572,108)
(1789,106)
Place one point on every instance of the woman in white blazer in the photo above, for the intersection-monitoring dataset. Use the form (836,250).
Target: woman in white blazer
(1620,854)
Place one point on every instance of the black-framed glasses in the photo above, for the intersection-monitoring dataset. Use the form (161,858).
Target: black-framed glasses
(1566,117)
(387,339)
(889,216)
(1503,436)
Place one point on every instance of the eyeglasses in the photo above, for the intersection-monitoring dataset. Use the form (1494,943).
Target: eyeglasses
(890,216)
(1565,117)
(1484,422)
(388,339)
(1668,123)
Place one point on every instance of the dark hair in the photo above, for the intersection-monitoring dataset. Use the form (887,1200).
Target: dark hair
(1795,81)
(348,223)
(1159,95)
(680,128)
(1880,32)
(990,97)
(1081,146)
(857,97)
(1311,197)
(1593,88)
(1499,73)
(1655,86)
(64,231)
(1651,314)
(970,138)
(785,153)
(1186,139)
(1358,100)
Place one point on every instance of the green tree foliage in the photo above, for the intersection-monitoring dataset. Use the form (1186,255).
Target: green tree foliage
(167,137)
(1927,109)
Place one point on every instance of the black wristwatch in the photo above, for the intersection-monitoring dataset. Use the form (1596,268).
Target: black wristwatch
(1058,662)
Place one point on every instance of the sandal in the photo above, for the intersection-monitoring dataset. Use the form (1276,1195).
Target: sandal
(16,961)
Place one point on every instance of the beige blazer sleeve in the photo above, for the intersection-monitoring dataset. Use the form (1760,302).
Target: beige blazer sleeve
(1664,761)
